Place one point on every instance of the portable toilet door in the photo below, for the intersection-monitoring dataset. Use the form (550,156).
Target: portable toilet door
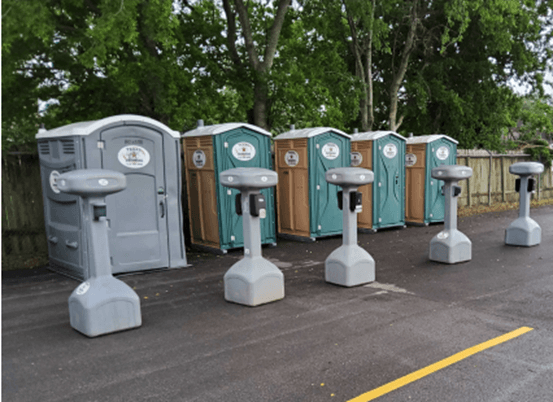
(424,201)
(210,150)
(383,152)
(307,203)
(144,220)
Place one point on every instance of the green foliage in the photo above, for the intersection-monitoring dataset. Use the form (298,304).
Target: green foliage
(171,60)
(535,130)
(462,89)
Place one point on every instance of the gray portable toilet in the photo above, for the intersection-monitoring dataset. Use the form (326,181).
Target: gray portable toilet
(145,221)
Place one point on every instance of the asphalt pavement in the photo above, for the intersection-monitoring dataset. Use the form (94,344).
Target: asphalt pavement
(320,343)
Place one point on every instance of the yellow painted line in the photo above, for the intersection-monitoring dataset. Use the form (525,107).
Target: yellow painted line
(417,375)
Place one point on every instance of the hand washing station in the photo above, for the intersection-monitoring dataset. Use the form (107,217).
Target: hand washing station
(450,246)
(524,231)
(253,280)
(349,265)
(101,304)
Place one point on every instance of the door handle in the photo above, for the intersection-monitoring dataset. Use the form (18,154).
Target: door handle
(53,239)
(72,244)
(162,207)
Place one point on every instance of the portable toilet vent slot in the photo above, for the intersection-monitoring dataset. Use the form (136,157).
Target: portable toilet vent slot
(307,203)
(424,198)
(145,226)
(209,151)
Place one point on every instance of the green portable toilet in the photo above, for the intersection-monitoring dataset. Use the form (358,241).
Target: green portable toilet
(383,152)
(424,201)
(208,151)
(307,203)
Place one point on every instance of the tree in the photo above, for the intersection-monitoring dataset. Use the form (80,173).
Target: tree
(460,87)
(534,131)
(260,66)
(97,59)
(364,28)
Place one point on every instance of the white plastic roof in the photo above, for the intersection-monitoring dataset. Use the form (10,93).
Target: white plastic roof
(309,132)
(425,139)
(374,135)
(223,128)
(88,127)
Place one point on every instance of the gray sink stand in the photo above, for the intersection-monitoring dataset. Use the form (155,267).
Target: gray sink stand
(450,246)
(101,304)
(253,280)
(524,231)
(349,265)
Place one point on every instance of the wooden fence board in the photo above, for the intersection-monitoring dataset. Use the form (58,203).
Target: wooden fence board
(23,234)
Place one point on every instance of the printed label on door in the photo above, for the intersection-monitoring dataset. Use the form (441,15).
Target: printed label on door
(54,181)
(292,158)
(133,157)
(198,158)
(410,159)
(330,151)
(356,158)
(442,153)
(390,151)
(243,151)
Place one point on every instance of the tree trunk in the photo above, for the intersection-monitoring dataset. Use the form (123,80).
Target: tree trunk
(397,80)
(364,110)
(363,68)
(260,101)
(260,67)
(369,74)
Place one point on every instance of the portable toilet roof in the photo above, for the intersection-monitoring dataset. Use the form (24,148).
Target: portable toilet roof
(425,139)
(88,127)
(309,133)
(374,135)
(223,128)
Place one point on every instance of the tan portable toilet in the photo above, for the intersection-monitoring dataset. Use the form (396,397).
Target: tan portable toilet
(307,203)
(383,200)
(209,151)
(424,201)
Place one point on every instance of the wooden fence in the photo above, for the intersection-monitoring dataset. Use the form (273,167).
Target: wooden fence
(491,182)
(23,234)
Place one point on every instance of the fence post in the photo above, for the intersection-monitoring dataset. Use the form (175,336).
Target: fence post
(467,163)
(503,195)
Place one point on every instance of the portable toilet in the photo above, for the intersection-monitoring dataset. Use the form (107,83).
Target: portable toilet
(383,152)
(307,203)
(145,220)
(424,201)
(208,151)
